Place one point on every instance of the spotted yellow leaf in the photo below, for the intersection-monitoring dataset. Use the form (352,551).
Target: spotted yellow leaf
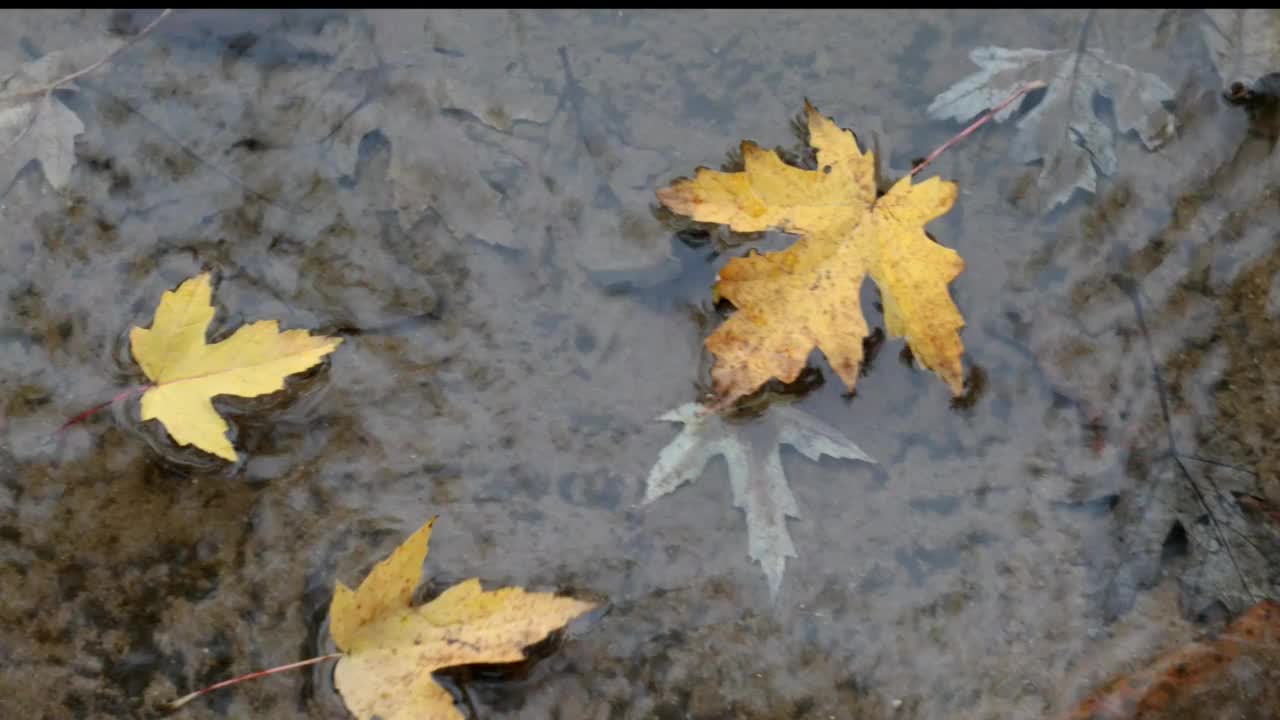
(186,372)
(392,647)
(806,296)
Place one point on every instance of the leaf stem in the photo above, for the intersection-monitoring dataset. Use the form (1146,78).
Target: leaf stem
(1034,85)
(175,704)
(121,396)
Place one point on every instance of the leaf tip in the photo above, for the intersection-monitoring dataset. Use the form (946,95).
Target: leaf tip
(198,284)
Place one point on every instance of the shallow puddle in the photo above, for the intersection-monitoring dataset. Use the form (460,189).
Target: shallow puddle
(468,200)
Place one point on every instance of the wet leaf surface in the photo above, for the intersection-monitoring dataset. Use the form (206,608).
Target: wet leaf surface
(807,296)
(392,647)
(186,372)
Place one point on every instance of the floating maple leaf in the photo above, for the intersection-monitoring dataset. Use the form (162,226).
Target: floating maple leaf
(187,372)
(807,296)
(1063,129)
(392,647)
(1244,44)
(755,470)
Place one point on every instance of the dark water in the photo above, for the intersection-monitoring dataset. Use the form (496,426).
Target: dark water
(468,200)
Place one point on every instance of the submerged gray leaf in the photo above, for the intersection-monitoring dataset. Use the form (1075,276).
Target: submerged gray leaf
(759,483)
(1244,44)
(34,125)
(1063,129)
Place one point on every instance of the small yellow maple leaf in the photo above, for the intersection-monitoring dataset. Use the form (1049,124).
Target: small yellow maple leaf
(392,648)
(806,296)
(186,372)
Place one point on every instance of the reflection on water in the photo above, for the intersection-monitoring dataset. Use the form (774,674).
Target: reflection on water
(467,198)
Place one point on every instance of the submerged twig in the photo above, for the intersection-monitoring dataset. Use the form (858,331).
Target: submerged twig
(1130,288)
(229,176)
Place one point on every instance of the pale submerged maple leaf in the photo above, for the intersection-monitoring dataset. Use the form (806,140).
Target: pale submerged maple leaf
(1064,129)
(34,125)
(755,470)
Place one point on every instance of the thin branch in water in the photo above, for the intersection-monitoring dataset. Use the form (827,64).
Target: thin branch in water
(1034,85)
(175,704)
(90,68)
(1218,463)
(1130,288)
(229,176)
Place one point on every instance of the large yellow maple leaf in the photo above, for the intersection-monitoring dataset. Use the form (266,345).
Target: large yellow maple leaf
(391,648)
(806,296)
(186,372)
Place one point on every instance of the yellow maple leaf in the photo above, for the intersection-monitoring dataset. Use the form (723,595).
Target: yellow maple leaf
(806,296)
(392,648)
(186,372)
